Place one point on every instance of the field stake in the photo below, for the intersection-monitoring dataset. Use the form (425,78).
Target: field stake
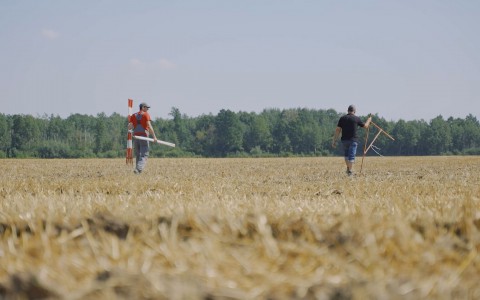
(365,148)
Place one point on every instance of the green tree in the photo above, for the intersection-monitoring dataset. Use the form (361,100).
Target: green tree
(25,135)
(183,137)
(100,134)
(204,139)
(281,131)
(55,129)
(259,134)
(274,131)
(228,133)
(438,136)
(5,135)
(308,131)
(81,137)
(472,132)
(117,135)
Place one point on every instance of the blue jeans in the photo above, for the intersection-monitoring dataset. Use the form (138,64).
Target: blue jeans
(350,150)
(141,153)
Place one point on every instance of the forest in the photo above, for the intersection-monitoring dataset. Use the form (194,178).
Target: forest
(270,133)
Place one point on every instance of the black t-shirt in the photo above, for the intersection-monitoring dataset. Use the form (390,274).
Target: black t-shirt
(349,124)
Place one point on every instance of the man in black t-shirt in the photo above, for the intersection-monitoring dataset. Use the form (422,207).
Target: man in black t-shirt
(347,126)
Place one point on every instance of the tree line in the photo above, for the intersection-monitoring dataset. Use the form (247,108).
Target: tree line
(273,132)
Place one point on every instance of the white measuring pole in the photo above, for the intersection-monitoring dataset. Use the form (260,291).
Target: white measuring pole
(151,140)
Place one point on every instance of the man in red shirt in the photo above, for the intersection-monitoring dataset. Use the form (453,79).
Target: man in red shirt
(141,124)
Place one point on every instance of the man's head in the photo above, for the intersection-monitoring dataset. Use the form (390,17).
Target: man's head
(143,104)
(352,109)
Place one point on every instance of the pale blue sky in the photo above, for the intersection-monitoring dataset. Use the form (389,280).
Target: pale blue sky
(408,59)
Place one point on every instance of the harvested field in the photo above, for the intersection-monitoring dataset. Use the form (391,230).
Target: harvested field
(279,228)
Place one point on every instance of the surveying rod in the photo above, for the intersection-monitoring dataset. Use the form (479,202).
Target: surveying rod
(152,140)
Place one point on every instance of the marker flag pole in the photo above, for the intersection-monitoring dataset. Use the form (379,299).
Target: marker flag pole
(129,154)
(365,147)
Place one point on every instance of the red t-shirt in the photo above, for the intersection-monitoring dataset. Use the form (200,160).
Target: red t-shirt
(143,130)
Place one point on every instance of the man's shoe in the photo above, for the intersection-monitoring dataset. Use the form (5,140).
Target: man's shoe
(137,171)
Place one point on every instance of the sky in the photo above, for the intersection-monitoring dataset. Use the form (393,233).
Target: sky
(405,59)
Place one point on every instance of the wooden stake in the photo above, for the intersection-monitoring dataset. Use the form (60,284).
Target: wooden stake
(365,148)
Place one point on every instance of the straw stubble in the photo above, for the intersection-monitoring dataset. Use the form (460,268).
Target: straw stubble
(277,228)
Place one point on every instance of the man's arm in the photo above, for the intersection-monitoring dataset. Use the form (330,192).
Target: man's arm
(150,129)
(338,131)
(130,123)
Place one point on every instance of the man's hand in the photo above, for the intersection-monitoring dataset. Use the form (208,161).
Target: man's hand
(336,135)
(367,124)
